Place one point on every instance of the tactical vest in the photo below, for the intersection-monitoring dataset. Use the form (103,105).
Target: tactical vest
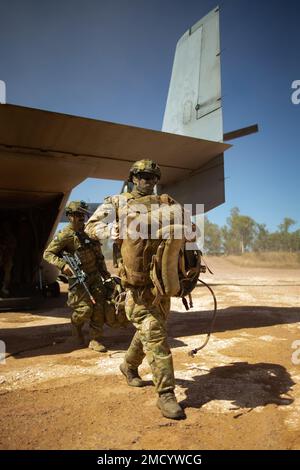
(153,252)
(88,251)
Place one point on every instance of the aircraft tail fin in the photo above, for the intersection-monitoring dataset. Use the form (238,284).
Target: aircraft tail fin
(194,100)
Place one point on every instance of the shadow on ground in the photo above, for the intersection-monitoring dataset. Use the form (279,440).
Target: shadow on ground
(244,385)
(52,338)
(231,318)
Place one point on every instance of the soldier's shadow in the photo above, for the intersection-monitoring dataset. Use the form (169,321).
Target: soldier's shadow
(244,385)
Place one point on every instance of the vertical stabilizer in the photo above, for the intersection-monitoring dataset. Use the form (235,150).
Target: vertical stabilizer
(194,100)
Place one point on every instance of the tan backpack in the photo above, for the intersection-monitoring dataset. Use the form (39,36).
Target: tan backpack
(153,252)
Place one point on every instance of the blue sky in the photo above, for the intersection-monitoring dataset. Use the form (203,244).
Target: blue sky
(112,60)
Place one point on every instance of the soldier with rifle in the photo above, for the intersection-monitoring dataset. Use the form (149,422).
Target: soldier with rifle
(80,259)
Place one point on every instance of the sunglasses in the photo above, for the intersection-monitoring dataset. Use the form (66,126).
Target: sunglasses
(145,176)
(78,214)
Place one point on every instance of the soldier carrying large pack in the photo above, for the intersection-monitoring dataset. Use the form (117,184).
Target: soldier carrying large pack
(148,267)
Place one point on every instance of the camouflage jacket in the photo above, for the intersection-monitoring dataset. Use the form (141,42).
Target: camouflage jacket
(88,250)
(104,223)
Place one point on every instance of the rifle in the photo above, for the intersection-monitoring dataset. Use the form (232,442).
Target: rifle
(81,277)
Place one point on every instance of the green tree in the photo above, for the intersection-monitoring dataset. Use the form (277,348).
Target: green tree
(212,238)
(286,224)
(262,238)
(230,243)
(285,236)
(239,235)
(295,240)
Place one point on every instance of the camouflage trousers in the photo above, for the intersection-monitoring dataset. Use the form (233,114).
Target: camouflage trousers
(150,339)
(84,309)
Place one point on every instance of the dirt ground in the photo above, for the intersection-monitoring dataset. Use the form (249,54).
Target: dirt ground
(241,392)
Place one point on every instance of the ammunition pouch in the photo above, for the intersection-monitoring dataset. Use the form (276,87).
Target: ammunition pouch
(114,310)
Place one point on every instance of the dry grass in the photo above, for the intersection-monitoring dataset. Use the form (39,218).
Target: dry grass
(266,260)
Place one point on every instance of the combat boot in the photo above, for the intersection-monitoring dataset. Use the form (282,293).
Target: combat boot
(97,346)
(132,375)
(169,407)
(77,334)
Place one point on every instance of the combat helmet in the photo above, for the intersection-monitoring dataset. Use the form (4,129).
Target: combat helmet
(77,206)
(144,166)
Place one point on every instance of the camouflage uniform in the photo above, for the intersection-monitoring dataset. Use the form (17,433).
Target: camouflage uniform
(150,339)
(93,264)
